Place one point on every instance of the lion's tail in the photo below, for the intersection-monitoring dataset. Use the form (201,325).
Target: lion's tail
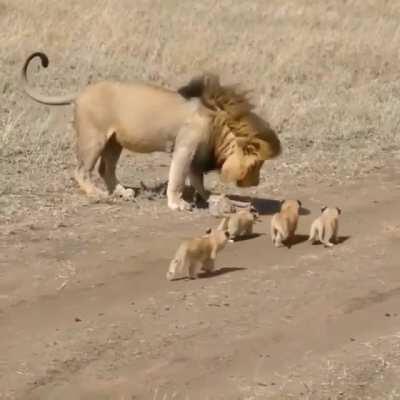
(49,100)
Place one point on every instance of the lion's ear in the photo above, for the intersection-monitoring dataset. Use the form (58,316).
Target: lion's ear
(242,142)
(263,149)
(211,82)
(253,148)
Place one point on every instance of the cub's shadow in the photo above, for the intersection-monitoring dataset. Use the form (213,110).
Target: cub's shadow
(298,238)
(220,271)
(264,206)
(248,237)
(339,240)
(216,272)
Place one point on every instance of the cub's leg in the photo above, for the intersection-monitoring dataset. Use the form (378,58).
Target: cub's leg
(249,230)
(334,238)
(326,237)
(90,144)
(279,238)
(172,269)
(178,264)
(192,269)
(273,235)
(314,231)
(107,168)
(209,265)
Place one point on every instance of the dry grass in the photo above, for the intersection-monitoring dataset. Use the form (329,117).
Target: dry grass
(325,73)
(359,371)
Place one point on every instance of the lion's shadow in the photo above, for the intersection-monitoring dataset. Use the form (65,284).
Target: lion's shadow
(264,206)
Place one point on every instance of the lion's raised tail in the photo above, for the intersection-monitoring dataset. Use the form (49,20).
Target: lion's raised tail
(49,100)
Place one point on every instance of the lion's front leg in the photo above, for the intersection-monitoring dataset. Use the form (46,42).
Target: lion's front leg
(197,181)
(178,172)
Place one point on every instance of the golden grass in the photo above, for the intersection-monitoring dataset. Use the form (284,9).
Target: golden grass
(324,73)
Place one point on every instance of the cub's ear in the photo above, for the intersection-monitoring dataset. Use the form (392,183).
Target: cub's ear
(208,231)
(252,209)
(339,210)
(227,235)
(299,203)
(323,208)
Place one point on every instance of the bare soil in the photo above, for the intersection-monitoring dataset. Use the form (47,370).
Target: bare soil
(86,311)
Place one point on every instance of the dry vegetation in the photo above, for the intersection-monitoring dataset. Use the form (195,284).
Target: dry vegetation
(323,72)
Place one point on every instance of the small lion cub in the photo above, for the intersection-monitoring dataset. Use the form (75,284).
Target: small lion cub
(198,253)
(325,227)
(284,223)
(240,223)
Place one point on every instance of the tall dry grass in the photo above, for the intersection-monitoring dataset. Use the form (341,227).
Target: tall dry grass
(325,73)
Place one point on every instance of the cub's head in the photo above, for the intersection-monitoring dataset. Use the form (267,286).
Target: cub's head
(220,236)
(294,205)
(331,211)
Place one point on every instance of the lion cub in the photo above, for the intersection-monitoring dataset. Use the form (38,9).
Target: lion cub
(240,223)
(198,253)
(325,227)
(284,223)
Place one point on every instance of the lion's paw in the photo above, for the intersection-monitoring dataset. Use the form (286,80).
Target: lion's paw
(180,205)
(98,196)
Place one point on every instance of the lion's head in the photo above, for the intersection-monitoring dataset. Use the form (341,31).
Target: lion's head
(242,141)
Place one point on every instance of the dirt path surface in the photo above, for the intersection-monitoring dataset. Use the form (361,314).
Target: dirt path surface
(86,311)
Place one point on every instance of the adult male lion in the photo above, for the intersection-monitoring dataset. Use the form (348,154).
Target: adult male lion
(208,126)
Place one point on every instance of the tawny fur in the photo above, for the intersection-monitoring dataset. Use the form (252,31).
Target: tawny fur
(325,228)
(284,223)
(198,254)
(207,126)
(240,223)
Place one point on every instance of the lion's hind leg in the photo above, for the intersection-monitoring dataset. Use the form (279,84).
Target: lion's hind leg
(87,159)
(107,169)
(90,145)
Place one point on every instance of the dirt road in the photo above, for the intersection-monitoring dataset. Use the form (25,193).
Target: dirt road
(86,311)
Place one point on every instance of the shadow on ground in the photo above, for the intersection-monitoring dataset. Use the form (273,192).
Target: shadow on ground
(248,237)
(340,240)
(265,206)
(220,271)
